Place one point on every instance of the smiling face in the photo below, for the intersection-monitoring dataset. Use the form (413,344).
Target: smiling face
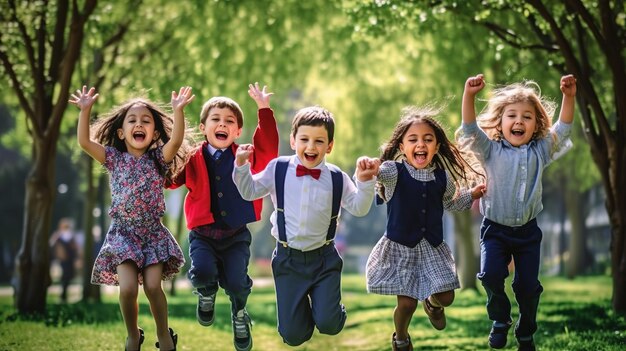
(138,130)
(220,127)
(419,145)
(519,123)
(311,144)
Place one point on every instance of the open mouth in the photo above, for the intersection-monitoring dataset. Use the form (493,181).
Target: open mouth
(517,132)
(221,135)
(420,157)
(310,157)
(139,136)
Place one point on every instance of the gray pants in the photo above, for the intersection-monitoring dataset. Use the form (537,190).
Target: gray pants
(308,292)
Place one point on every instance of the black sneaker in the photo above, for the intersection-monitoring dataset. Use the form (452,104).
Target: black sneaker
(241,330)
(498,335)
(205,313)
(526,345)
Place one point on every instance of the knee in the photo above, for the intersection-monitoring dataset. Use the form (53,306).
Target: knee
(152,289)
(492,279)
(407,306)
(527,289)
(129,293)
(203,275)
(331,326)
(444,299)
(294,336)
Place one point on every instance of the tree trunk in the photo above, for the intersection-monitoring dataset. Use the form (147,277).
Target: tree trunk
(468,260)
(33,265)
(618,240)
(579,257)
(91,293)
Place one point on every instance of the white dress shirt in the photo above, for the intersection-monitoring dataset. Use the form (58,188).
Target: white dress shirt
(308,201)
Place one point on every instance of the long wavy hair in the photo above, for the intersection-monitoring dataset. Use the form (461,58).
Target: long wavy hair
(104,130)
(490,119)
(448,157)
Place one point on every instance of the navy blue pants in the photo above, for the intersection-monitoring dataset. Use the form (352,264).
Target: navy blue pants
(222,263)
(308,292)
(498,245)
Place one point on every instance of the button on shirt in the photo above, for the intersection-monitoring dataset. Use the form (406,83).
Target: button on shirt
(308,201)
(514,188)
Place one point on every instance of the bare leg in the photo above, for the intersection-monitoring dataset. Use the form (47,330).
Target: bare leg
(402,315)
(158,304)
(129,286)
(442,299)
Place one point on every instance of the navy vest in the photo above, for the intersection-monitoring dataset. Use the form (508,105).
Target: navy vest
(415,210)
(230,210)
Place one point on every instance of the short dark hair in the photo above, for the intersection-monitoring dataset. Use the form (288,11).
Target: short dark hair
(314,116)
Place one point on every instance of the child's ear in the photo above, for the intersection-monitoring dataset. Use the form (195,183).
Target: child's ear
(292,142)
(156,135)
(401,147)
(120,133)
(330,147)
(238,133)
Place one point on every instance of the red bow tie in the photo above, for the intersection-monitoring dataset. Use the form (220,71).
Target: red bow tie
(301,171)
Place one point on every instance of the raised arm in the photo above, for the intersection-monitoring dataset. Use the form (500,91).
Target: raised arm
(179,101)
(472,86)
(265,137)
(85,99)
(260,96)
(568,88)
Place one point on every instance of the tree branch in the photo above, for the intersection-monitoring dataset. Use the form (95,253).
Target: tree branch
(513,39)
(58,42)
(72,53)
(579,9)
(573,65)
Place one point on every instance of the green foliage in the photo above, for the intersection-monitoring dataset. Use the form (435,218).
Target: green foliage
(573,315)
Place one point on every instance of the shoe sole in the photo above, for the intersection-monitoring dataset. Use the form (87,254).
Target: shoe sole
(203,322)
(247,348)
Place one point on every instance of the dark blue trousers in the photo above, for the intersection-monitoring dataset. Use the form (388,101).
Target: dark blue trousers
(308,292)
(222,263)
(498,245)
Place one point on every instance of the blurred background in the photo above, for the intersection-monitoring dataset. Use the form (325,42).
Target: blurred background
(362,60)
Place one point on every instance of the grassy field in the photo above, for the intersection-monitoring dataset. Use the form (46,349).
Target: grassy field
(573,315)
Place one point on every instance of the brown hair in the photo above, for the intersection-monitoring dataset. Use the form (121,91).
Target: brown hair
(448,156)
(315,116)
(222,102)
(105,132)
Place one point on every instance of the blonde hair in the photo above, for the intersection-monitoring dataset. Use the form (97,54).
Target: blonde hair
(526,91)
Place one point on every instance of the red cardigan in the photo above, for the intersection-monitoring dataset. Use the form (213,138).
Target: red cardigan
(196,177)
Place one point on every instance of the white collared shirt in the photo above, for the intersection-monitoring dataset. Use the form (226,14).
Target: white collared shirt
(308,201)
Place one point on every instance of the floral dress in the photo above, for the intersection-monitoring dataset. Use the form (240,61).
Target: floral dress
(137,204)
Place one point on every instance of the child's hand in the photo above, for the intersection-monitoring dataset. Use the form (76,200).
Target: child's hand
(474,84)
(84,99)
(568,85)
(478,191)
(182,99)
(259,95)
(244,151)
(366,168)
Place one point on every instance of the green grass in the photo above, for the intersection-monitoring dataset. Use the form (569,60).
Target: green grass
(573,315)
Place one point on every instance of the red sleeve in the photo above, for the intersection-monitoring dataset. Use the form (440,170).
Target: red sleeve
(265,140)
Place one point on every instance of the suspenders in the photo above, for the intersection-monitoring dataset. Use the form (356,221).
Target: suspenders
(281,170)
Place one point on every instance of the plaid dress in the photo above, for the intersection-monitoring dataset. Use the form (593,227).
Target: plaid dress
(420,271)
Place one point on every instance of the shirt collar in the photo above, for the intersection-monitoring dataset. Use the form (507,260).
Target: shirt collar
(321,165)
(212,149)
